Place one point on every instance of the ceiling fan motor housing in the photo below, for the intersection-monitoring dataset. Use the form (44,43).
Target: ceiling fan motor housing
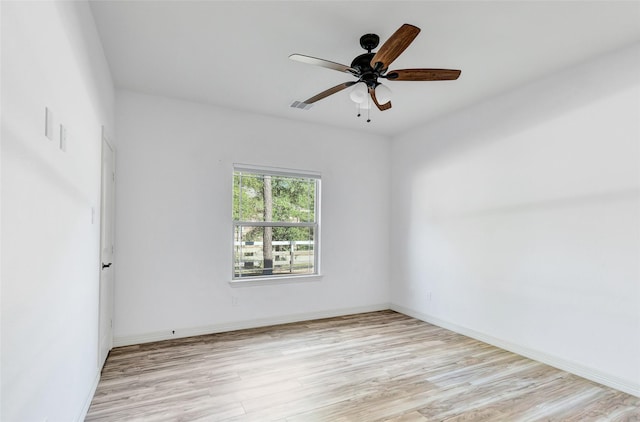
(366,73)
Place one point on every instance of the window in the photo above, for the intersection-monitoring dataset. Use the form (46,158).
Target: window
(275,222)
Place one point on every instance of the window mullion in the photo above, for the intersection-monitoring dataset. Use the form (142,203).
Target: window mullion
(274,224)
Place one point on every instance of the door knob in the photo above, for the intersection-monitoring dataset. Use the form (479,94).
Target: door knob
(106,265)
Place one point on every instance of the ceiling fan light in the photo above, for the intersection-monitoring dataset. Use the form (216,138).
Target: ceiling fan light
(359,93)
(383,94)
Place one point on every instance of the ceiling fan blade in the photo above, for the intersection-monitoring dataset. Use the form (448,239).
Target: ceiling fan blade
(330,91)
(381,107)
(423,75)
(394,46)
(321,62)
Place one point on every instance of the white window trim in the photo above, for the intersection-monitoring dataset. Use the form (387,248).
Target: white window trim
(277,171)
(266,280)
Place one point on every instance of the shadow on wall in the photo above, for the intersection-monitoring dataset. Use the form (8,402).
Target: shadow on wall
(518,110)
(560,148)
(89,60)
(565,140)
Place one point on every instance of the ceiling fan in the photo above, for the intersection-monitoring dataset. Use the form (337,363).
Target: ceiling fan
(369,67)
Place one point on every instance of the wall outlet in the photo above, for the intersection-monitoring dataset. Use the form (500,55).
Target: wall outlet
(235,301)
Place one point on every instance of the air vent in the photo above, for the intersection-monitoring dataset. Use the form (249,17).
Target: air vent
(301,105)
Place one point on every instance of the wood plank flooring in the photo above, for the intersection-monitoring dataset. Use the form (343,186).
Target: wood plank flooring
(380,366)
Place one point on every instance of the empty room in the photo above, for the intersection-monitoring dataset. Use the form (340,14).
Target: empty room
(393,211)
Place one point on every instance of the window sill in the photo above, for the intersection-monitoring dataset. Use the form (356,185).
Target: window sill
(262,281)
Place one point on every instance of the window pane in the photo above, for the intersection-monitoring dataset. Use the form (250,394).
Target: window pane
(293,199)
(273,198)
(248,197)
(273,251)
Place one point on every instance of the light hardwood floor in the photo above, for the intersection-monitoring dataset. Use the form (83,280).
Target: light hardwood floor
(380,366)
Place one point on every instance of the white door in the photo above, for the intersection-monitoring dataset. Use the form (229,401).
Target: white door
(106,252)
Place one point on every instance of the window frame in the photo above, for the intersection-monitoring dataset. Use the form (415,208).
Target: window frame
(315,225)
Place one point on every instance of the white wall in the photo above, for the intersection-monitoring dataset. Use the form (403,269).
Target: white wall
(173,213)
(51,57)
(518,220)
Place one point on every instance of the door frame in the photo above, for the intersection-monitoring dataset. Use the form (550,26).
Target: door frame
(105,141)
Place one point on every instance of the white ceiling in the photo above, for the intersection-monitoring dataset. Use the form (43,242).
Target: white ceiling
(235,53)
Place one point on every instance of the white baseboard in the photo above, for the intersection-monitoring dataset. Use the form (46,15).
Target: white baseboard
(87,402)
(241,325)
(563,364)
